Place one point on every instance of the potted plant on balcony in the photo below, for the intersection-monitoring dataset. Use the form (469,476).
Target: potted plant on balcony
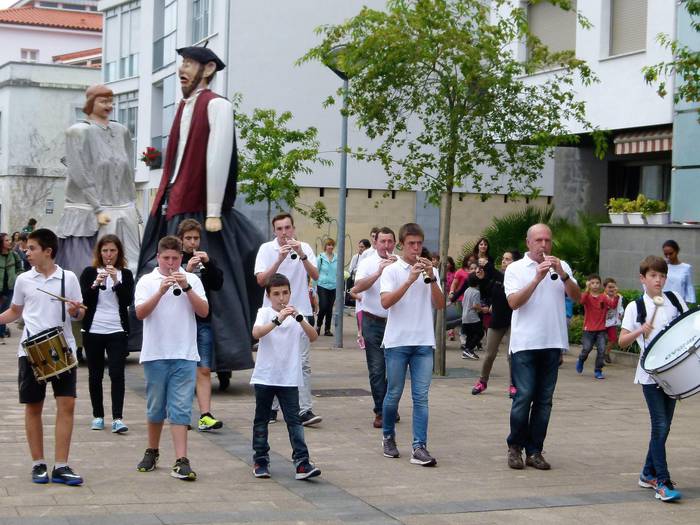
(151,157)
(655,212)
(616,210)
(633,210)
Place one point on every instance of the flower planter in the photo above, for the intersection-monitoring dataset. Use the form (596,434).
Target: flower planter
(635,218)
(659,218)
(155,164)
(618,218)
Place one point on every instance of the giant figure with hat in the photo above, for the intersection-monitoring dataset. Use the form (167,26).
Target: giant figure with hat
(199,182)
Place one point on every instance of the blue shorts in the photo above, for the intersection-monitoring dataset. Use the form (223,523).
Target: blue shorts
(205,344)
(170,387)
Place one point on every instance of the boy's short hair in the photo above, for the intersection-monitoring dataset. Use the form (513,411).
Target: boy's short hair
(594,276)
(45,238)
(653,262)
(472,280)
(365,243)
(609,280)
(410,228)
(170,242)
(282,216)
(277,279)
(188,225)
(385,230)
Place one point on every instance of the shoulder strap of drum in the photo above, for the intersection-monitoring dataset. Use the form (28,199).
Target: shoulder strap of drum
(63,294)
(641,309)
(674,301)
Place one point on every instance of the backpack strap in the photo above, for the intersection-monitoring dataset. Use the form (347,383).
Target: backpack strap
(641,310)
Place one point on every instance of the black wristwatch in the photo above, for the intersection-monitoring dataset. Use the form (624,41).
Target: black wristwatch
(565,278)
(187,288)
(276,321)
(303,257)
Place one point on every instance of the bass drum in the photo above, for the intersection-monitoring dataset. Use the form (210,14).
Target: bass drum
(673,356)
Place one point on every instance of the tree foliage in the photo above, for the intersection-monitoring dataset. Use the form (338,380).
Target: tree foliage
(685,63)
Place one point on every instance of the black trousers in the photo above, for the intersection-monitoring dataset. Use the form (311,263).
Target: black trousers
(326,299)
(115,346)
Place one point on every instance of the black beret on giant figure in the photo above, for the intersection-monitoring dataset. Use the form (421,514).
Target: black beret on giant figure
(203,55)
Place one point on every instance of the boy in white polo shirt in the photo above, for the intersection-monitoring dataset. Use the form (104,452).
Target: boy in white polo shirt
(167,300)
(282,331)
(41,312)
(409,339)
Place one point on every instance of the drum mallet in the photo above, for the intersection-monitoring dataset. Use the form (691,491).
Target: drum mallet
(658,302)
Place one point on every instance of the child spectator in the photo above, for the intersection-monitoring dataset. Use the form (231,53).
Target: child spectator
(635,326)
(472,328)
(277,373)
(613,318)
(595,308)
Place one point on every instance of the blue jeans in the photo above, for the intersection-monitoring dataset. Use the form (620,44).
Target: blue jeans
(373,333)
(170,387)
(661,409)
(205,344)
(600,339)
(535,375)
(288,397)
(420,360)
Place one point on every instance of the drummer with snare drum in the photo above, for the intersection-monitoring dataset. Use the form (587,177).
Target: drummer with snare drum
(642,321)
(35,300)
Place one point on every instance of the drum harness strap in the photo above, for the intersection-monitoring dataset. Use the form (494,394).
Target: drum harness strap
(63,294)
(642,309)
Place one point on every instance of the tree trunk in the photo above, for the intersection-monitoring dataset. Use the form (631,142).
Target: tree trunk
(269,218)
(440,332)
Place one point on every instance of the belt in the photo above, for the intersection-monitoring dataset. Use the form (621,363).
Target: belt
(375,317)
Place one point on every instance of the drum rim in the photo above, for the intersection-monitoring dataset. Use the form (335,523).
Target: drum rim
(681,357)
(35,338)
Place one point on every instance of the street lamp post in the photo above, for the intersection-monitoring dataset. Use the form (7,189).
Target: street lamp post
(342,191)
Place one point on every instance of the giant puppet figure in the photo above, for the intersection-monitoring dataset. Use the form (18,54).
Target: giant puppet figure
(100,191)
(199,182)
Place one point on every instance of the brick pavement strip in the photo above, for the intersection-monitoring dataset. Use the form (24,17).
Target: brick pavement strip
(597,438)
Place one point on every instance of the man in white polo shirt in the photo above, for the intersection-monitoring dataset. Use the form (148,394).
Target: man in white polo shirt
(367,282)
(409,339)
(296,261)
(535,287)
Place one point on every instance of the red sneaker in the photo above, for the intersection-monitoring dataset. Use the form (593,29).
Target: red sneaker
(512,391)
(479,387)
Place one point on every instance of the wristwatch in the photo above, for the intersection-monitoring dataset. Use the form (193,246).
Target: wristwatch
(276,321)
(187,288)
(565,278)
(303,257)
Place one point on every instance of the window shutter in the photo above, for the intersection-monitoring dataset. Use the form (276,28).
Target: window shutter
(555,27)
(628,26)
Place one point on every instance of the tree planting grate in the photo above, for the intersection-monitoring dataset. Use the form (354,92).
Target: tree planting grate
(341,392)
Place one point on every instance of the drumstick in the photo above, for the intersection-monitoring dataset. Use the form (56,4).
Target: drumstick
(60,298)
(658,301)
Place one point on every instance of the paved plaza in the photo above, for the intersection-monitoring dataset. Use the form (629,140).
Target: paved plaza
(596,443)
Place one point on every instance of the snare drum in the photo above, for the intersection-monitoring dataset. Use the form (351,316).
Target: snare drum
(672,358)
(49,354)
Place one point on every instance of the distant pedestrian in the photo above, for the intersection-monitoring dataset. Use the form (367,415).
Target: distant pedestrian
(31,225)
(10,268)
(680,274)
(327,268)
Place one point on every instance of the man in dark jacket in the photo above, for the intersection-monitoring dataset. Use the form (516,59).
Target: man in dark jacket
(200,263)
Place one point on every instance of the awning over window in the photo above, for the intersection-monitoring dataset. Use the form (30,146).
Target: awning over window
(660,139)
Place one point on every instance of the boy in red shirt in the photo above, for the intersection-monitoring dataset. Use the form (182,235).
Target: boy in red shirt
(595,307)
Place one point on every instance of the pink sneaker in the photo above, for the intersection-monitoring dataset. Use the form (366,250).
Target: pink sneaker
(479,387)
(512,391)
(361,342)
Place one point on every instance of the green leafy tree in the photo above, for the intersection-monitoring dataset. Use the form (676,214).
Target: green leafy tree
(685,63)
(436,84)
(271,158)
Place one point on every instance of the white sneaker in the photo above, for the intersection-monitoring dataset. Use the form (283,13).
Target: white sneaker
(98,423)
(118,427)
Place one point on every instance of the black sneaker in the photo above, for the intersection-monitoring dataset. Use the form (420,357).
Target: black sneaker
(307,470)
(309,418)
(390,449)
(422,457)
(261,470)
(182,470)
(40,474)
(469,354)
(66,476)
(149,461)
(273,416)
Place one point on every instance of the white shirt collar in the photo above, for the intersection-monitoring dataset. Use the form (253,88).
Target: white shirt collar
(55,275)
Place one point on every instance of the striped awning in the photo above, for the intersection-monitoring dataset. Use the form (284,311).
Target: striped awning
(632,143)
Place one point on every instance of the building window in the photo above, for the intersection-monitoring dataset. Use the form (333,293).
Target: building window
(200,20)
(628,26)
(164,26)
(163,103)
(554,27)
(121,42)
(126,110)
(29,55)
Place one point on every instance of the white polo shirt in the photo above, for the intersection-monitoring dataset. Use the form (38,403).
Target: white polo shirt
(410,320)
(41,311)
(278,359)
(541,322)
(292,269)
(170,332)
(366,254)
(371,301)
(666,313)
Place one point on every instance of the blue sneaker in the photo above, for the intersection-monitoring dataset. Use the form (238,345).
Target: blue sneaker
(599,374)
(666,492)
(68,477)
(39,474)
(647,482)
(579,366)
(98,423)
(118,427)
(261,470)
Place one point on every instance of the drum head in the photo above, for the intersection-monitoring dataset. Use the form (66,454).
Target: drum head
(673,342)
(43,335)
